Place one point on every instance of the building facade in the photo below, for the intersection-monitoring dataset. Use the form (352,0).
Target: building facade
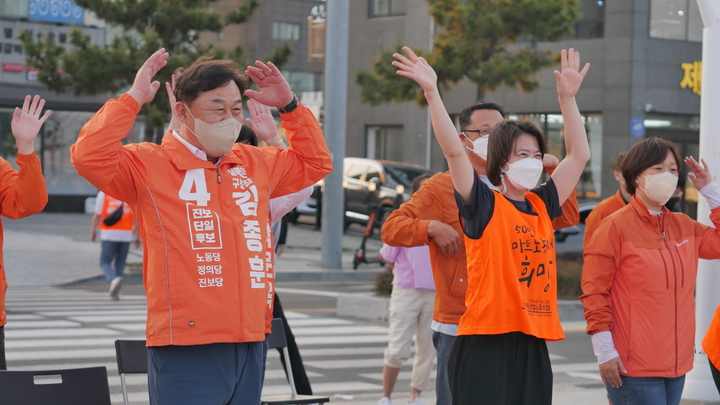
(645,71)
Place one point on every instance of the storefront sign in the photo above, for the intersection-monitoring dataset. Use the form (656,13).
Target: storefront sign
(13,67)
(64,11)
(692,76)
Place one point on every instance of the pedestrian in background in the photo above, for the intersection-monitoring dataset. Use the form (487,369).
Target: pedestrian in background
(117,227)
(639,279)
(22,192)
(411,310)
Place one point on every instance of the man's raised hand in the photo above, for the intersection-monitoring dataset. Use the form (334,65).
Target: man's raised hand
(26,124)
(416,68)
(144,88)
(273,89)
(262,122)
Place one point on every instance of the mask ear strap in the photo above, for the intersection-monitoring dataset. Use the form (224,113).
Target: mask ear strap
(502,180)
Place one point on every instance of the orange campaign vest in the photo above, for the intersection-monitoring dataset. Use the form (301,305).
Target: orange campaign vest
(511,274)
(711,342)
(125,223)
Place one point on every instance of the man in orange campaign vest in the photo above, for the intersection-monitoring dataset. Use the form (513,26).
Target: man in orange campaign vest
(201,202)
(22,193)
(117,228)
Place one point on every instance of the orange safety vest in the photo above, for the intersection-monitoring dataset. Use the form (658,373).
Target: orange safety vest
(511,274)
(125,223)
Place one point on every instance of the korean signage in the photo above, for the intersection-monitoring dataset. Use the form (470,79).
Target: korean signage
(692,77)
(62,11)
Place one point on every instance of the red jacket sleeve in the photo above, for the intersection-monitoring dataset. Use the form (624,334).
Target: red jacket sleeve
(24,192)
(407,225)
(306,161)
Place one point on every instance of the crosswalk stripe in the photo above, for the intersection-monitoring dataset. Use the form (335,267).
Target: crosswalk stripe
(45,343)
(109,318)
(11,333)
(337,340)
(340,330)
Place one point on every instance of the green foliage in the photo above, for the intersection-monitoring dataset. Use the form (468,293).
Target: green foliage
(148,25)
(478,40)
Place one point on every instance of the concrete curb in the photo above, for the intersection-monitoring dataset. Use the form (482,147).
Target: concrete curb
(378,308)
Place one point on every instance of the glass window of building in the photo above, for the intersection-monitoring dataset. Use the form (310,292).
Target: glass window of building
(592,23)
(385,142)
(384,8)
(300,81)
(675,19)
(286,31)
(14,8)
(590,185)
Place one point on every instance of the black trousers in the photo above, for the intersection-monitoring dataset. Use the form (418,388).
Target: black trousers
(3,363)
(716,375)
(506,369)
(302,384)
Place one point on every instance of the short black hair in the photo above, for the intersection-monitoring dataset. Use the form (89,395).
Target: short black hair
(207,74)
(502,141)
(247,136)
(645,154)
(466,113)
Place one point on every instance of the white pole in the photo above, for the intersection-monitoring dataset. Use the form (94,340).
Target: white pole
(336,73)
(699,385)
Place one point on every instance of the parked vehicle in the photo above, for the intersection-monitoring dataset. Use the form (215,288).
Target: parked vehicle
(370,185)
(579,229)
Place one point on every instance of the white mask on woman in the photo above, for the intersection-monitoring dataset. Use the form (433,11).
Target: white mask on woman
(660,187)
(479,146)
(524,173)
(217,138)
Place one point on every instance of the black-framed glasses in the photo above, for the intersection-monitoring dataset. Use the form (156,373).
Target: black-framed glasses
(480,132)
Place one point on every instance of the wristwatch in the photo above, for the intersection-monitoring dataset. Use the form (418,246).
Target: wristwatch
(291,106)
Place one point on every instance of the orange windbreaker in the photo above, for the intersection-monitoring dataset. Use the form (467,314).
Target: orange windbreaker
(602,210)
(711,341)
(208,257)
(639,283)
(22,194)
(407,226)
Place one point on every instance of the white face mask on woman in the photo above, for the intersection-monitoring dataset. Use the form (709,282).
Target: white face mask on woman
(479,146)
(217,138)
(523,173)
(660,187)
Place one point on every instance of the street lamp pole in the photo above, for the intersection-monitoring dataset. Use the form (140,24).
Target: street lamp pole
(336,72)
(699,385)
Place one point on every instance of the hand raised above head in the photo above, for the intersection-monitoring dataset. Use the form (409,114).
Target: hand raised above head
(416,68)
(570,77)
(170,88)
(273,89)
(700,175)
(144,88)
(26,123)
(550,161)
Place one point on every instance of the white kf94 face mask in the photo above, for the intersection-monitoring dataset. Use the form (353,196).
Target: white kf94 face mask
(524,173)
(660,187)
(479,146)
(217,138)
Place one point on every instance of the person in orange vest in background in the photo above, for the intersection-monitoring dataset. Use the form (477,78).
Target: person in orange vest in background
(117,229)
(22,192)
(711,346)
(609,205)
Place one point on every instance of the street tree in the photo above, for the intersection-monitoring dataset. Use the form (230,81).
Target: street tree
(147,25)
(489,42)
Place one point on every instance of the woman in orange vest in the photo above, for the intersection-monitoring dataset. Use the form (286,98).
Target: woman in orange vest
(639,279)
(711,345)
(500,354)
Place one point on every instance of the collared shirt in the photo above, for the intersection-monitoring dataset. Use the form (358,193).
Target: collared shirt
(192,148)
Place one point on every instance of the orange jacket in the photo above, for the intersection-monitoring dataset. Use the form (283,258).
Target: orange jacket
(711,342)
(602,210)
(407,226)
(22,194)
(639,283)
(208,252)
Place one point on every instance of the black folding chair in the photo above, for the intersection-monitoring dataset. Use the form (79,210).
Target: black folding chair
(276,340)
(131,359)
(79,386)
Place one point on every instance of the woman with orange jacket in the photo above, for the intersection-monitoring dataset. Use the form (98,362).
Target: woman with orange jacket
(639,279)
